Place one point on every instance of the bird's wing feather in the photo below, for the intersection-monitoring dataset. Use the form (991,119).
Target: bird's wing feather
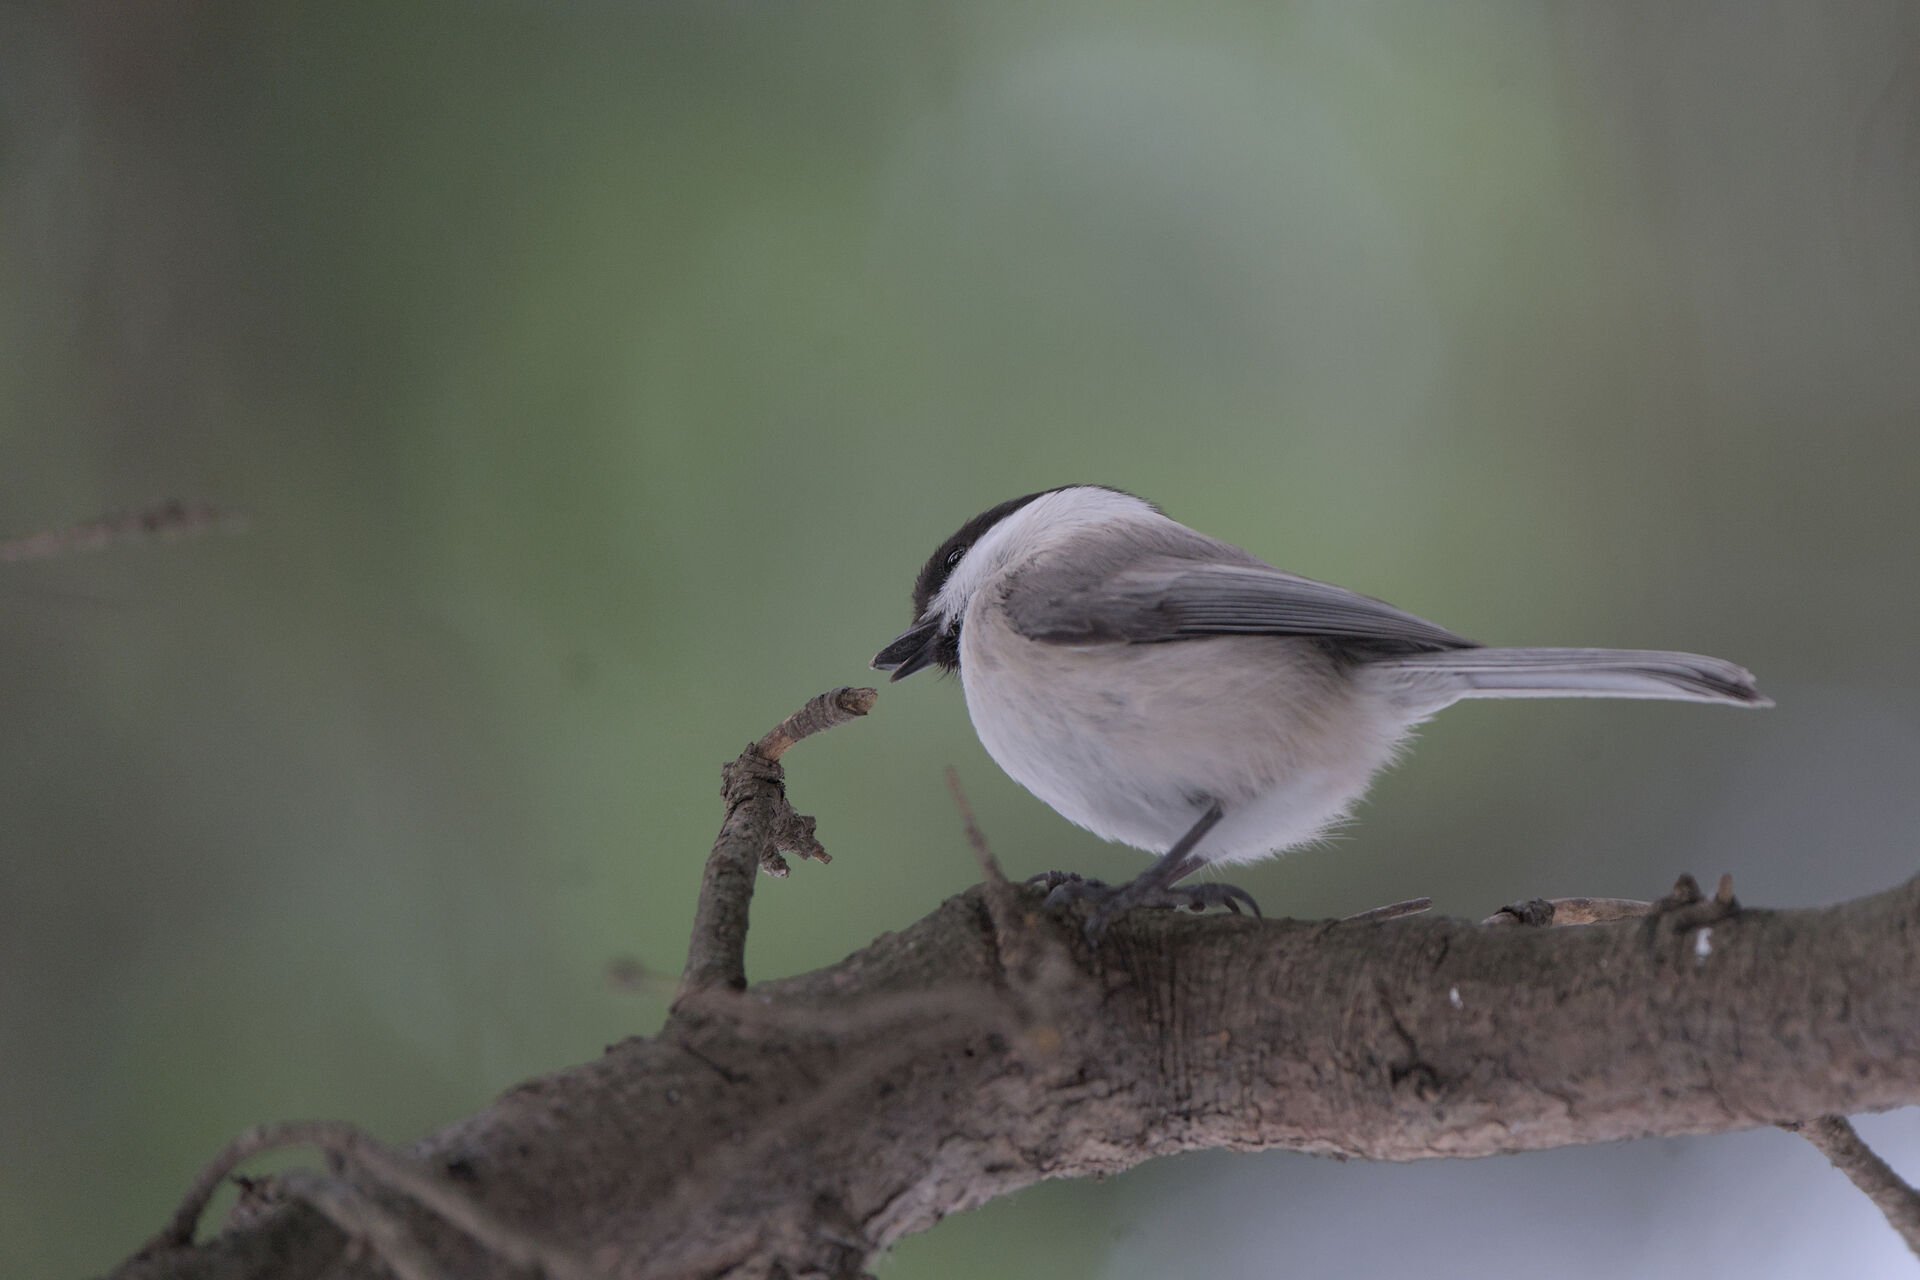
(1145,599)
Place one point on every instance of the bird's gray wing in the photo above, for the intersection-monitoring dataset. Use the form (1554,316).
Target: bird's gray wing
(1154,598)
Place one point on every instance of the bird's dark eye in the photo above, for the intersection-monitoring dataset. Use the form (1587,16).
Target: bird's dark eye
(953,556)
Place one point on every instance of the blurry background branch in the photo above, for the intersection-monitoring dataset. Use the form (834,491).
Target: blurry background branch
(169,519)
(801,1126)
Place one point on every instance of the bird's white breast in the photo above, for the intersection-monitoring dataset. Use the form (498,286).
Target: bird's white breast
(1132,740)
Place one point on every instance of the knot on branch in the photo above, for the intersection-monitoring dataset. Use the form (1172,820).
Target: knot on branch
(752,778)
(1685,907)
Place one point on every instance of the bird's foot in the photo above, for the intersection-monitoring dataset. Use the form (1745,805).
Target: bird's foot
(1110,902)
(1080,886)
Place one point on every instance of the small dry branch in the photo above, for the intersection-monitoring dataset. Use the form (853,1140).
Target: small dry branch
(759,827)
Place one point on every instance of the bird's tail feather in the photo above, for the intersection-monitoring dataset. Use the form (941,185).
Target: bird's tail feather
(1585,673)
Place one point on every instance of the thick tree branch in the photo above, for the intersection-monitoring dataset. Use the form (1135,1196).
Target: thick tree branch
(798,1127)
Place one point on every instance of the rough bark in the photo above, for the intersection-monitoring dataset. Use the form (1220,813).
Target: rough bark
(800,1126)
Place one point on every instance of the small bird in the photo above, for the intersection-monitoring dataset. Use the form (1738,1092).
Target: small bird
(1172,692)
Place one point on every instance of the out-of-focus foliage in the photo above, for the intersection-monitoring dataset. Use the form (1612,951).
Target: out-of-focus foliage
(595,376)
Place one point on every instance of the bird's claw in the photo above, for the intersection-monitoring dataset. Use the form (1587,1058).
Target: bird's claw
(1113,901)
(1198,897)
(1066,886)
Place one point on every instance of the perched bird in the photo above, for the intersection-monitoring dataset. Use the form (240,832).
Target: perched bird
(1172,692)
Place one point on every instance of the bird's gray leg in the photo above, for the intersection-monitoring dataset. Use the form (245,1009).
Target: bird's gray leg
(1167,868)
(1154,887)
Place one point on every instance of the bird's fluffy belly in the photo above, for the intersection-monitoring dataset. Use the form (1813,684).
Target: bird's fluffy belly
(1131,741)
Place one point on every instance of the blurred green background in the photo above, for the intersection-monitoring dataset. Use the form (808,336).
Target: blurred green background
(596,376)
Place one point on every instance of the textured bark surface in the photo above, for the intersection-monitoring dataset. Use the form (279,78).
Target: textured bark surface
(800,1126)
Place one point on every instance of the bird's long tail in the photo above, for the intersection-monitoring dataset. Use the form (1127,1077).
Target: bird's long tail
(1579,673)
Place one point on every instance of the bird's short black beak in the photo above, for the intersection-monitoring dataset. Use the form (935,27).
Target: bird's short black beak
(910,651)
